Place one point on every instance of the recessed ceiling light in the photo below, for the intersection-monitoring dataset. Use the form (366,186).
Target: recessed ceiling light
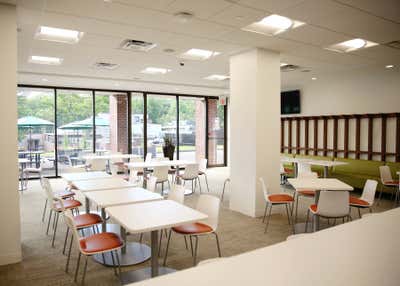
(58,35)
(283,64)
(183,17)
(217,77)
(45,80)
(198,54)
(116,84)
(273,25)
(45,60)
(313,78)
(389,66)
(351,45)
(153,70)
(168,50)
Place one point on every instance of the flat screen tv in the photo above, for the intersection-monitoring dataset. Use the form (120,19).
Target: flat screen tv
(290,102)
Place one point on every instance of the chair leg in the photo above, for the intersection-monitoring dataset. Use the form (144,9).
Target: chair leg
(265,212)
(269,216)
(380,195)
(44,210)
(196,246)
(205,176)
(218,245)
(166,249)
(84,270)
(113,261)
(77,266)
(191,244)
(141,238)
(287,212)
(359,212)
(118,263)
(199,184)
(55,228)
(159,244)
(186,244)
(48,224)
(69,254)
(297,208)
(65,240)
(308,216)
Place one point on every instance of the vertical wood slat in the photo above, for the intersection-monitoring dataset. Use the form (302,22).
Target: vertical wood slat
(325,138)
(335,137)
(297,136)
(383,138)
(346,138)
(306,144)
(315,136)
(290,136)
(282,136)
(370,136)
(398,138)
(358,134)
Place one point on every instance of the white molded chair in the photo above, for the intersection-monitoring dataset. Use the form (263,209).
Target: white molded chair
(331,204)
(210,206)
(304,193)
(367,197)
(151,184)
(191,173)
(387,181)
(177,194)
(275,199)
(148,157)
(303,168)
(96,164)
(161,173)
(203,170)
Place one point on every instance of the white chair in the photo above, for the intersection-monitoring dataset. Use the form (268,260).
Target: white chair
(139,171)
(227,180)
(177,194)
(367,197)
(191,173)
(331,205)
(203,170)
(117,162)
(304,193)
(303,168)
(26,175)
(275,199)
(96,164)
(151,184)
(148,157)
(210,206)
(387,181)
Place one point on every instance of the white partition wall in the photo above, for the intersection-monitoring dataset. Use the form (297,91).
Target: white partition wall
(254,128)
(10,249)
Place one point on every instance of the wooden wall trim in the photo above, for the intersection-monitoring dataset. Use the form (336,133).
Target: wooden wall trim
(306,136)
(370,136)
(282,136)
(358,136)
(397,138)
(383,139)
(346,138)
(325,138)
(315,136)
(297,135)
(290,136)
(335,136)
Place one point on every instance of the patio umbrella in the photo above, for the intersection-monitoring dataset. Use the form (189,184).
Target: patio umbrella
(31,122)
(76,126)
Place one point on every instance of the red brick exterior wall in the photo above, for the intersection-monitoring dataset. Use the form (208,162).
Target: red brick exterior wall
(119,123)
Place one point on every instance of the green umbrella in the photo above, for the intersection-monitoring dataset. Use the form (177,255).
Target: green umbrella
(32,121)
(100,121)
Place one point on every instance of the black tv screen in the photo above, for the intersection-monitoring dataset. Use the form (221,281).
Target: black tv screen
(290,102)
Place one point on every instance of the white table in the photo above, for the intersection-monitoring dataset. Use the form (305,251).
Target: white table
(341,255)
(319,184)
(111,156)
(84,176)
(132,253)
(101,185)
(152,217)
(156,163)
(325,163)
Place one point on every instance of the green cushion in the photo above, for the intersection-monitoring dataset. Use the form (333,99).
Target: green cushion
(394,168)
(354,166)
(289,166)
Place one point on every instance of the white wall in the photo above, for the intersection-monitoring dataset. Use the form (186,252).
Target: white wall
(10,249)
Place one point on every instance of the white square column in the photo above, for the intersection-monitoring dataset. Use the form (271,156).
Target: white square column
(254,128)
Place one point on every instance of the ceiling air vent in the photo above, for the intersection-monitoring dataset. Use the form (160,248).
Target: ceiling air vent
(137,46)
(394,44)
(104,65)
(289,68)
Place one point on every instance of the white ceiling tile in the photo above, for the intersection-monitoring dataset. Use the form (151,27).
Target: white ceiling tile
(201,9)
(270,5)
(238,16)
(153,4)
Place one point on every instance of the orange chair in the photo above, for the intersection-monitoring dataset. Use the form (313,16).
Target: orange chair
(367,197)
(304,193)
(275,199)
(387,181)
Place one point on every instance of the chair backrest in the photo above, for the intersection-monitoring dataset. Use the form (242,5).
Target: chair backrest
(177,193)
(308,175)
(114,169)
(161,172)
(69,221)
(386,175)
(45,182)
(203,165)
(98,164)
(132,160)
(133,177)
(191,171)
(281,169)
(264,188)
(209,205)
(161,159)
(75,170)
(303,168)
(148,157)
(151,184)
(368,193)
(333,203)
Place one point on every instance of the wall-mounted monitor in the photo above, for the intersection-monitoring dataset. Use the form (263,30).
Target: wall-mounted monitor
(290,102)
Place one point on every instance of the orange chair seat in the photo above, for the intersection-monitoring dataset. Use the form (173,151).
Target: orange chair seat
(307,192)
(313,208)
(354,201)
(85,220)
(100,242)
(68,204)
(193,228)
(288,171)
(171,171)
(391,183)
(65,194)
(280,198)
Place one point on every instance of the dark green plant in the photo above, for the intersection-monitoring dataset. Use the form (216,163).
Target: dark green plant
(168,141)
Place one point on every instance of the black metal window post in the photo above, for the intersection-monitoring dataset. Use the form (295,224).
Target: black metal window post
(94,120)
(55,132)
(144,124)
(177,127)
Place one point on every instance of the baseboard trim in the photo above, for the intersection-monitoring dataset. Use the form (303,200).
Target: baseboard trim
(10,258)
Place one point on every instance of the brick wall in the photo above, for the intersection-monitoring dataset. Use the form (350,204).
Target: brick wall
(212,143)
(119,123)
(200,129)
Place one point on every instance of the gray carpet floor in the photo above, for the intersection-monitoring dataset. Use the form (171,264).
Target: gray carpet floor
(44,265)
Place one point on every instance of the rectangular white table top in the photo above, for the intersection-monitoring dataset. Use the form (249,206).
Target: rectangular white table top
(83,176)
(111,156)
(102,184)
(155,163)
(108,198)
(341,255)
(321,184)
(325,163)
(146,217)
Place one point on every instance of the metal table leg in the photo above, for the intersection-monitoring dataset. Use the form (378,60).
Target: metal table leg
(325,171)
(87,205)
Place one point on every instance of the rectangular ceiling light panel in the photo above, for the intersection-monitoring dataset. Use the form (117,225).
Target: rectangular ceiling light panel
(153,70)
(198,54)
(351,45)
(58,35)
(45,60)
(273,25)
(217,77)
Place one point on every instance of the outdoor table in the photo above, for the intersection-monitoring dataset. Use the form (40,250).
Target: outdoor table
(151,217)
(30,153)
(319,184)
(101,185)
(132,253)
(84,176)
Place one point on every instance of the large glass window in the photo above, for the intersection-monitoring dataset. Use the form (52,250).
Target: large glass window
(161,122)
(74,127)
(111,121)
(36,146)
(216,132)
(192,126)
(137,124)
